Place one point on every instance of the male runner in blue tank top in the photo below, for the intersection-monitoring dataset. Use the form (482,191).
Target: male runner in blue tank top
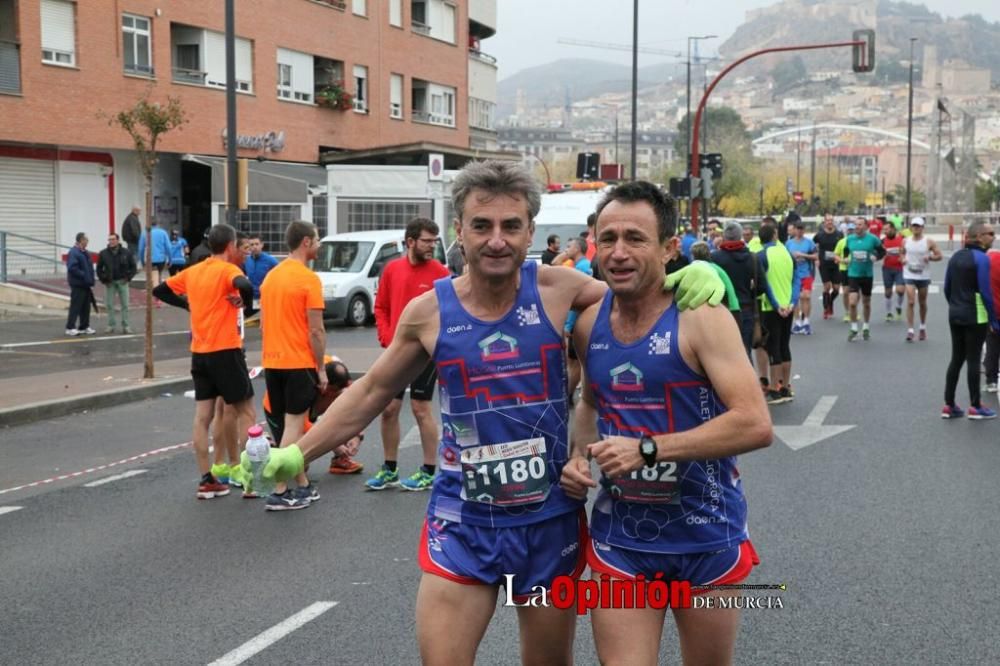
(496,507)
(669,400)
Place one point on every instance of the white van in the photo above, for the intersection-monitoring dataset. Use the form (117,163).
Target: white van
(563,214)
(349,266)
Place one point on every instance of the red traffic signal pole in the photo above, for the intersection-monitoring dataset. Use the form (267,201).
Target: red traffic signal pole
(695,150)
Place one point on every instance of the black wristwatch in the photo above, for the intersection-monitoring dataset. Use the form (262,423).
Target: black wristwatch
(647,448)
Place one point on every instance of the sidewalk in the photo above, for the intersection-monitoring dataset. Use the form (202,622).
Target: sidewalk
(43,396)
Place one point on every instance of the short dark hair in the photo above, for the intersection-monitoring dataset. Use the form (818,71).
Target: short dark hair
(297,232)
(419,225)
(113,234)
(551,239)
(792,218)
(80,236)
(641,190)
(701,251)
(592,220)
(976,228)
(219,237)
(767,231)
(337,374)
(253,236)
(578,242)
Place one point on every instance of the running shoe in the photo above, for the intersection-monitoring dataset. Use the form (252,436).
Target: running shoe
(909,336)
(110,330)
(952,412)
(846,319)
(221,472)
(786,394)
(923,335)
(419,480)
(236,476)
(250,494)
(991,388)
(852,336)
(796,328)
(87,331)
(385,478)
(888,316)
(310,493)
(345,465)
(72,332)
(980,413)
(866,334)
(775,398)
(210,488)
(286,501)
(127,330)
(807,329)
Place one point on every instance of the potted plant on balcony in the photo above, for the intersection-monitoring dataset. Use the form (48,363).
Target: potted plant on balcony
(335,96)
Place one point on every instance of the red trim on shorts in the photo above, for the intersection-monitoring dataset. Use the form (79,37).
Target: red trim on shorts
(807,283)
(599,565)
(581,560)
(744,564)
(428,565)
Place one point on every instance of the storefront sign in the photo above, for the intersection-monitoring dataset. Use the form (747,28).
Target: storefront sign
(272,142)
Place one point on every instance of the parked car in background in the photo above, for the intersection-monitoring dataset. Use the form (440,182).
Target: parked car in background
(564,214)
(349,266)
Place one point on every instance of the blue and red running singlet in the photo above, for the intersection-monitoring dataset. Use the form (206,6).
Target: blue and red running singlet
(646,388)
(503,413)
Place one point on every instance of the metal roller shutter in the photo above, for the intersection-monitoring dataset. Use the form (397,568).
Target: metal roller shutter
(28,207)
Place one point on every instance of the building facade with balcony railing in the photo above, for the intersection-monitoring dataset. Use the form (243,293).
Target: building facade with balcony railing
(312,77)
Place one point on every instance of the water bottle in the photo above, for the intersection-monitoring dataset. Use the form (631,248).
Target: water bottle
(258,451)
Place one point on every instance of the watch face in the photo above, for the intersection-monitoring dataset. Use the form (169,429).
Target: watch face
(647,446)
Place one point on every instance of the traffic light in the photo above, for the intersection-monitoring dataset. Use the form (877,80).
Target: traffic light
(680,187)
(712,161)
(588,165)
(707,192)
(863,55)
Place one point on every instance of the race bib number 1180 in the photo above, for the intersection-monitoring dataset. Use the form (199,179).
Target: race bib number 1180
(506,474)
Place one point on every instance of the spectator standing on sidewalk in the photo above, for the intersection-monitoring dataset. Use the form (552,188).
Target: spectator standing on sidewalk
(403,280)
(179,251)
(80,276)
(201,252)
(132,230)
(258,264)
(115,269)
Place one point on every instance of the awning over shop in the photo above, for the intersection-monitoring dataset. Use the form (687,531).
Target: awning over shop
(415,154)
(270,181)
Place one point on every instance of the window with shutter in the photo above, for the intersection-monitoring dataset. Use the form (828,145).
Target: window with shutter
(395,95)
(361,89)
(58,32)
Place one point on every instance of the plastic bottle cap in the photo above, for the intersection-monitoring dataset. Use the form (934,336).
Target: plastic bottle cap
(255,431)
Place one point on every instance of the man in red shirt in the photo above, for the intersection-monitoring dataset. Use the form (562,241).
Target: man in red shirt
(992,361)
(403,280)
(875,226)
(892,272)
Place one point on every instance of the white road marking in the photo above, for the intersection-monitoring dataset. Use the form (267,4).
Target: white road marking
(9,509)
(412,438)
(274,634)
(812,429)
(116,477)
(86,338)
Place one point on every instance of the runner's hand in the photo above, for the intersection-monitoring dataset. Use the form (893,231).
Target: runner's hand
(350,448)
(617,456)
(576,477)
(282,464)
(324,382)
(695,284)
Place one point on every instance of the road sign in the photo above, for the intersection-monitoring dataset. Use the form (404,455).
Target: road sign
(789,186)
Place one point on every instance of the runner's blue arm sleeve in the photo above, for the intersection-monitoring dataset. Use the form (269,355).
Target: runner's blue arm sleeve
(985,289)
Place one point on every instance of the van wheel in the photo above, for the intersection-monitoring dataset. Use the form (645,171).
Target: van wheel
(357,311)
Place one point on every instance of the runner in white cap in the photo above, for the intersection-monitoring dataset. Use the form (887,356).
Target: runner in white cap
(918,252)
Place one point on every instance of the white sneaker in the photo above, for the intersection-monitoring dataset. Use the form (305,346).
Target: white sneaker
(72,332)
(991,388)
(88,331)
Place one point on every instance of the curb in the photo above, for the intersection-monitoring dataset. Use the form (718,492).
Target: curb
(48,409)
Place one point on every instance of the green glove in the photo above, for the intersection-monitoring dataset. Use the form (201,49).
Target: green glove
(282,464)
(695,285)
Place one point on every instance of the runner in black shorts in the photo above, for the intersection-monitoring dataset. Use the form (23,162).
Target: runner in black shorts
(422,387)
(221,374)
(291,391)
(862,284)
(826,240)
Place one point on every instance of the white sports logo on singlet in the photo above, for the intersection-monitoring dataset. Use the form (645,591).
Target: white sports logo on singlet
(659,344)
(528,317)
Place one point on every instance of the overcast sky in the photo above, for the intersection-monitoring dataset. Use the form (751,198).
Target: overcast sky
(528,30)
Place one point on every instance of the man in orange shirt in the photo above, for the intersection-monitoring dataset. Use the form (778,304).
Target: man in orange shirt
(214,291)
(294,343)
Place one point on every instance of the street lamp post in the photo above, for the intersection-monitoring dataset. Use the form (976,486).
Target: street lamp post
(687,118)
(635,84)
(909,132)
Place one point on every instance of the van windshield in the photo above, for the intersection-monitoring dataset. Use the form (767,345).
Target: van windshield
(565,231)
(342,256)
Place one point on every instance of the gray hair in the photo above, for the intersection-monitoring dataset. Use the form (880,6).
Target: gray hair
(496,178)
(733,232)
(976,228)
(701,251)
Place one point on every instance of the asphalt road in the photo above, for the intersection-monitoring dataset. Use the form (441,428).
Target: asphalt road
(884,535)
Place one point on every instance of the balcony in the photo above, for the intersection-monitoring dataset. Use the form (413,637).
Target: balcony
(482,57)
(194,76)
(420,28)
(10,66)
